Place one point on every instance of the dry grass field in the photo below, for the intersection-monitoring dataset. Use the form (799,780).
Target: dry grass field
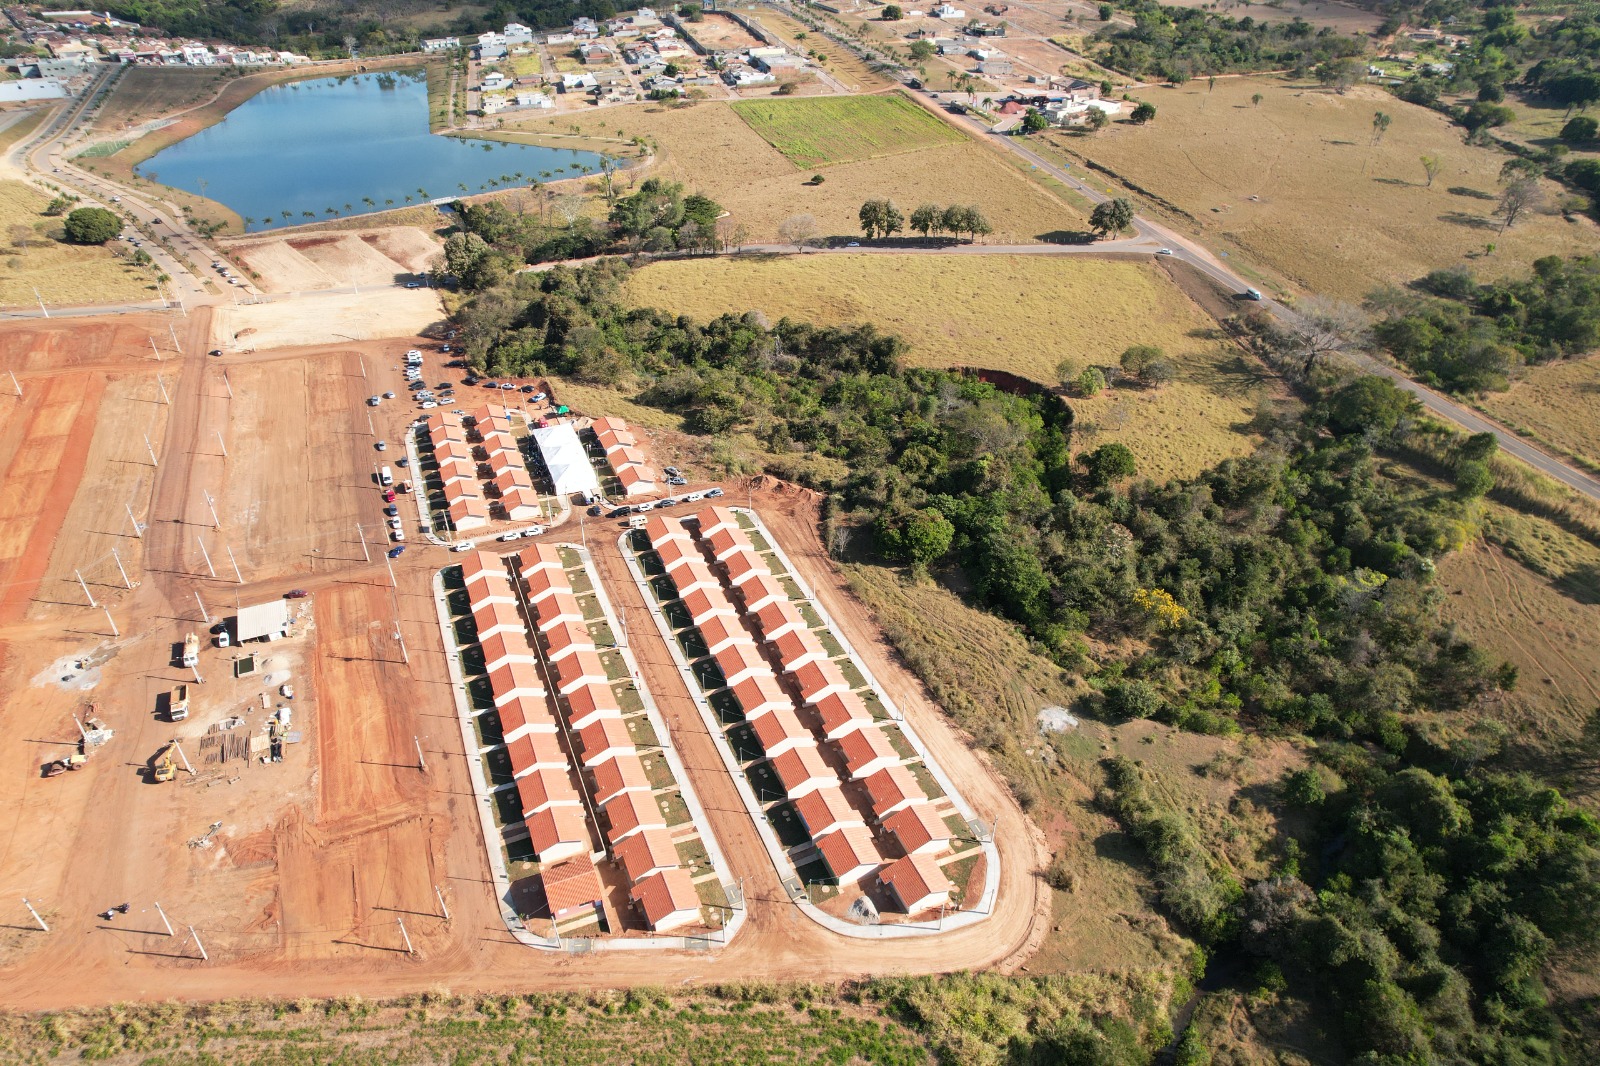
(1296,188)
(711,150)
(844,129)
(63,273)
(1558,404)
(1022,314)
(1544,618)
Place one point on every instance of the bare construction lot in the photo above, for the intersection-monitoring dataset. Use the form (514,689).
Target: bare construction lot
(326,865)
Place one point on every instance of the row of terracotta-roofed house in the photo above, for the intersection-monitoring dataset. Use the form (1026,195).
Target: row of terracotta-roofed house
(625,457)
(842,837)
(457,453)
(635,829)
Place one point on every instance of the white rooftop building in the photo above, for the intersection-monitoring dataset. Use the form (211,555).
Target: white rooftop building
(563,454)
(262,621)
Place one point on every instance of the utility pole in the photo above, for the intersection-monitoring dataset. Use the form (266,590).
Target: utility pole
(363,360)
(174,330)
(216,523)
(151,450)
(366,556)
(390,563)
(206,555)
(442,906)
(405,936)
(14,384)
(163,387)
(238,578)
(404,655)
(35,914)
(202,947)
(42,307)
(227,385)
(154,350)
(179,749)
(113,621)
(206,618)
(422,764)
(222,444)
(164,919)
(125,582)
(86,591)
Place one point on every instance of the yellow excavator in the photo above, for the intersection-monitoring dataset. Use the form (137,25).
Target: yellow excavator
(164,767)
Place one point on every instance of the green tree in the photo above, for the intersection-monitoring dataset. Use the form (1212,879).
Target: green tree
(1091,381)
(1479,447)
(1133,698)
(1431,165)
(691,12)
(892,13)
(1482,116)
(1106,11)
(922,50)
(1255,99)
(918,537)
(1139,356)
(1580,129)
(92,225)
(1108,464)
(926,219)
(1473,478)
(1112,217)
(1380,125)
(1034,121)
(1370,404)
(1303,788)
(60,205)
(1143,113)
(1097,119)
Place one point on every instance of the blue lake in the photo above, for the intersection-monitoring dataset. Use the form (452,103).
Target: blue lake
(338,142)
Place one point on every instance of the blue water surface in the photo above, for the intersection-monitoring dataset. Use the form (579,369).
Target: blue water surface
(339,142)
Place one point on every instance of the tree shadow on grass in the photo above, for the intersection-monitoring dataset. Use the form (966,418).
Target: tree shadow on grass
(1461,218)
(1233,376)
(1395,181)
(1474,194)
(1582,585)
(1064,236)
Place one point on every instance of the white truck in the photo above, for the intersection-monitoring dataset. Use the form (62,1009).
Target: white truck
(385,476)
(191,650)
(178,704)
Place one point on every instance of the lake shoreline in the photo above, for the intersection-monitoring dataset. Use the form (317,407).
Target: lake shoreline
(356,139)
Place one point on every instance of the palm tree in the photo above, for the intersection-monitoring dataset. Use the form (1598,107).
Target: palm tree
(248,222)
(462,186)
(330,210)
(347,207)
(389,202)
(308,214)
(369,201)
(287,215)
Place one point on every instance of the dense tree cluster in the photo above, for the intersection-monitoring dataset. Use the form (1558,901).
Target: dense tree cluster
(1470,336)
(1177,44)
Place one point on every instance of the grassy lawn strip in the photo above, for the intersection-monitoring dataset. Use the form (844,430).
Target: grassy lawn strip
(842,129)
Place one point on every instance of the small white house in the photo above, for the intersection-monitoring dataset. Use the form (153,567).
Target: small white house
(441,44)
(946,11)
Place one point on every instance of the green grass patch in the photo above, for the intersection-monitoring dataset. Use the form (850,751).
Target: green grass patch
(844,129)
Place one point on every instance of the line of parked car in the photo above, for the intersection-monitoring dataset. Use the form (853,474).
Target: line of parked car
(599,508)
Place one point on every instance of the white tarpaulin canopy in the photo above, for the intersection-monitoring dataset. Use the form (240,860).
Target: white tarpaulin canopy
(268,620)
(569,466)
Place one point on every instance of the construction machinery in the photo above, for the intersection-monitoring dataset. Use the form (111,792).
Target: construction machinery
(165,768)
(191,650)
(57,767)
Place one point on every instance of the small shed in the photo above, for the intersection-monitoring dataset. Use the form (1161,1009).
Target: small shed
(667,900)
(916,882)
